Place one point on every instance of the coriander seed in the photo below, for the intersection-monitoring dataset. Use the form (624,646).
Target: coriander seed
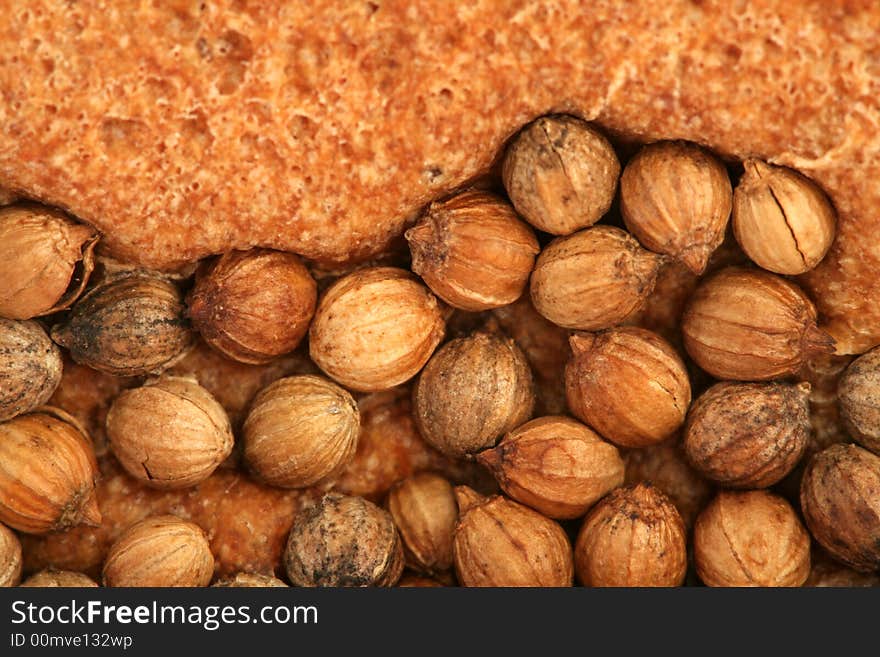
(748,435)
(781,219)
(748,325)
(593,279)
(424,509)
(54,579)
(473,251)
(375,329)
(30,367)
(633,537)
(840,500)
(169,433)
(561,174)
(344,541)
(46,259)
(629,384)
(676,198)
(499,542)
(751,538)
(471,392)
(160,551)
(300,430)
(555,465)
(47,473)
(859,400)
(253,305)
(127,326)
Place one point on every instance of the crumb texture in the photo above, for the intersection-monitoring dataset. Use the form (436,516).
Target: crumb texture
(184,128)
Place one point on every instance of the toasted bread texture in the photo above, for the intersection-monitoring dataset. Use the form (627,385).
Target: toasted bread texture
(183,128)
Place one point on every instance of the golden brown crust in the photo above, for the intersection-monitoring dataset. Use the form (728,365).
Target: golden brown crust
(185,128)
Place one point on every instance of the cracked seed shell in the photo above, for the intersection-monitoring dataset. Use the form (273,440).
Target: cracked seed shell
(781,219)
(169,433)
(46,259)
(249,580)
(561,174)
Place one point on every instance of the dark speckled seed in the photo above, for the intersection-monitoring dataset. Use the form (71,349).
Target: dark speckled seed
(128,326)
(859,394)
(748,435)
(344,541)
(30,367)
(840,499)
(471,392)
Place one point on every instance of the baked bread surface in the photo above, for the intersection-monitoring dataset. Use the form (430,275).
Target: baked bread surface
(186,128)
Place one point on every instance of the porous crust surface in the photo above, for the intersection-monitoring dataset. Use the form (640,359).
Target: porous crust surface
(184,128)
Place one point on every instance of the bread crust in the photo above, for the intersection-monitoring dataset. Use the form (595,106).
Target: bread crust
(183,128)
